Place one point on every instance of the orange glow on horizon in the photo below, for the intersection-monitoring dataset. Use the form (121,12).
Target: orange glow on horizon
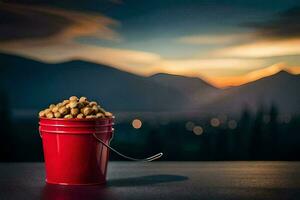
(222,82)
(264,48)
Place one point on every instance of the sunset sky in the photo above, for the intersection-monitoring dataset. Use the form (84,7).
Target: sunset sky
(224,42)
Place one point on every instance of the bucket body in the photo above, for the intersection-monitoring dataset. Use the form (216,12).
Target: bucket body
(72,154)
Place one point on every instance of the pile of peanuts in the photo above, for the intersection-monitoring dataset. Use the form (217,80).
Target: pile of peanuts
(75,108)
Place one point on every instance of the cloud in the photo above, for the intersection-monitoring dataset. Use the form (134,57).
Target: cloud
(282,25)
(213,39)
(138,62)
(207,67)
(50,38)
(279,36)
(47,34)
(262,49)
(57,44)
(220,72)
(52,24)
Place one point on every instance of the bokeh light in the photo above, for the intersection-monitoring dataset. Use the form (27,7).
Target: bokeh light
(137,123)
(232,124)
(198,130)
(215,122)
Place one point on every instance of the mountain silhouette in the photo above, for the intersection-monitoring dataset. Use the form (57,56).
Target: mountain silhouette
(34,85)
(29,84)
(197,91)
(280,89)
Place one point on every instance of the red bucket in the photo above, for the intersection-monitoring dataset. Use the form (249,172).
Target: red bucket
(73,156)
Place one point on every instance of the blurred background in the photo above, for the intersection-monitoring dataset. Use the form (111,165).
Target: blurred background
(197,80)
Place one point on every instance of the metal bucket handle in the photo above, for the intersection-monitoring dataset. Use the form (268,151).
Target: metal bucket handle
(149,159)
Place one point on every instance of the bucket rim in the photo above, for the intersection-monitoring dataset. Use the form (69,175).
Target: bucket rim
(77,119)
(81,132)
(80,125)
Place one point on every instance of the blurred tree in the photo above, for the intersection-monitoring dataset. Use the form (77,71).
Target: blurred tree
(243,135)
(153,142)
(6,144)
(273,130)
(256,139)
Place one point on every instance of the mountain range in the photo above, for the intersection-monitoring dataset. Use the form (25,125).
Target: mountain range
(29,84)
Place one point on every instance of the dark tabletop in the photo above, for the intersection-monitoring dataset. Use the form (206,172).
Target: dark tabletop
(162,180)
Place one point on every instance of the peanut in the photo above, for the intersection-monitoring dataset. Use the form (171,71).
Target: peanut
(57,115)
(74,111)
(91,116)
(49,115)
(108,114)
(59,105)
(68,116)
(73,98)
(55,109)
(95,109)
(42,113)
(99,115)
(80,105)
(87,111)
(75,108)
(65,102)
(93,103)
(63,110)
(82,99)
(73,104)
(47,110)
(80,116)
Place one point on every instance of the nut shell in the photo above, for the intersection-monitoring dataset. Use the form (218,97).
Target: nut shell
(73,104)
(100,115)
(65,102)
(42,113)
(75,108)
(91,116)
(108,114)
(55,109)
(49,115)
(82,99)
(87,111)
(68,116)
(74,111)
(80,116)
(93,103)
(57,115)
(73,98)
(63,110)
